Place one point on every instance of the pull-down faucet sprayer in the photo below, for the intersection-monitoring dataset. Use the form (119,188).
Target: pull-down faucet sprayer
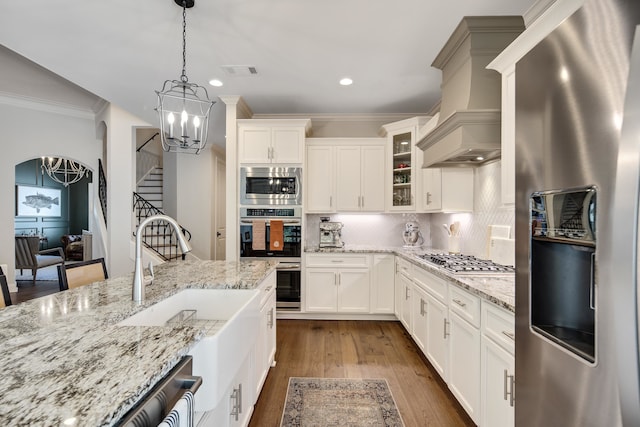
(138,275)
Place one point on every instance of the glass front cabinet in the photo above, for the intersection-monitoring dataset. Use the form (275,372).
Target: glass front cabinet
(403,164)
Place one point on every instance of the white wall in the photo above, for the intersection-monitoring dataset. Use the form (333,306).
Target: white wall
(121,129)
(32,130)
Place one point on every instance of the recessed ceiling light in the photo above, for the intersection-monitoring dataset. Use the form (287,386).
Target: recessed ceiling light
(346,81)
(479,158)
(404,143)
(215,82)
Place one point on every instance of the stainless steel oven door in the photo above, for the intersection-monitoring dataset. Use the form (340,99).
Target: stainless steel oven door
(288,286)
(270,186)
(292,236)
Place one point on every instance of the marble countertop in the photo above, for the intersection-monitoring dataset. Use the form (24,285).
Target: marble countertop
(66,362)
(499,289)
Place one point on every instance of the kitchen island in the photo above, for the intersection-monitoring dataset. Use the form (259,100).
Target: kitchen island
(67,362)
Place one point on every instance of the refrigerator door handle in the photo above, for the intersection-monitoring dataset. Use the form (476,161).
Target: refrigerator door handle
(592,284)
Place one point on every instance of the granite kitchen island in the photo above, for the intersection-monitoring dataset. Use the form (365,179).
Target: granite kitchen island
(66,361)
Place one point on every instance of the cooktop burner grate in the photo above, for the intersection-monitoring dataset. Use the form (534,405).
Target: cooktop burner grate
(457,263)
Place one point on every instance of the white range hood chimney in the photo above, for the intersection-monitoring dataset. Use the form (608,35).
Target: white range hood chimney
(468,130)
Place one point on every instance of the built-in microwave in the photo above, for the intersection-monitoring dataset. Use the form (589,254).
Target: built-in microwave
(270,186)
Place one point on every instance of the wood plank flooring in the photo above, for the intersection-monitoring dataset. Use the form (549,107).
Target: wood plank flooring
(358,349)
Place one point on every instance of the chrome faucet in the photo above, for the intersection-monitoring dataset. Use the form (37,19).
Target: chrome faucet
(138,275)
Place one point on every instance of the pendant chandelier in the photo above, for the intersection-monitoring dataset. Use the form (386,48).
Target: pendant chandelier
(63,171)
(183,107)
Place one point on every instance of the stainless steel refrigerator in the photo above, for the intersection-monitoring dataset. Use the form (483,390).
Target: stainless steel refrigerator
(577,191)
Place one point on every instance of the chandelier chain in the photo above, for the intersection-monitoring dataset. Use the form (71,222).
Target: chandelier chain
(184,77)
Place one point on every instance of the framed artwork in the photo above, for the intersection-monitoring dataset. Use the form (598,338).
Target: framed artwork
(38,201)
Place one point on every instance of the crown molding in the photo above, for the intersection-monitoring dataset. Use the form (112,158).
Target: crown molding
(46,106)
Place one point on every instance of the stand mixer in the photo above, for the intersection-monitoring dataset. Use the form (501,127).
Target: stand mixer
(411,235)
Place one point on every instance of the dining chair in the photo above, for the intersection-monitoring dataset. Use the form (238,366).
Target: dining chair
(5,301)
(82,273)
(29,255)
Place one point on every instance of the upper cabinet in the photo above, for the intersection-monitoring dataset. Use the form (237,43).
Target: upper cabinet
(400,175)
(266,141)
(344,175)
(446,190)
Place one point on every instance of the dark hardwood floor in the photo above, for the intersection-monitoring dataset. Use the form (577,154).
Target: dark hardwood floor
(27,290)
(358,349)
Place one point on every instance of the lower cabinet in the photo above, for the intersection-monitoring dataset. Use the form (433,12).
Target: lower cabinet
(266,342)
(382,283)
(340,290)
(350,283)
(497,367)
(468,341)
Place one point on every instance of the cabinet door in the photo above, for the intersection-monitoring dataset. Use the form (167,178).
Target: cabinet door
(321,290)
(254,144)
(405,304)
(287,145)
(353,290)
(432,189)
(382,288)
(271,331)
(419,321)
(348,174)
(372,181)
(398,288)
(464,365)
(437,336)
(319,178)
(497,367)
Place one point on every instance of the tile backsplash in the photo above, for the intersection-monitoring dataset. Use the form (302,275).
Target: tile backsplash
(386,229)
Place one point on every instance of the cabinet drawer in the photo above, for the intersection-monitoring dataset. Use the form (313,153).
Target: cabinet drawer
(435,285)
(403,266)
(337,260)
(499,325)
(464,304)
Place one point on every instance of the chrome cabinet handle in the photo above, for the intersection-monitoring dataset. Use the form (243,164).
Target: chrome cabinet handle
(446,333)
(428,198)
(509,387)
(337,260)
(236,408)
(460,303)
(271,318)
(330,201)
(422,310)
(406,292)
(511,335)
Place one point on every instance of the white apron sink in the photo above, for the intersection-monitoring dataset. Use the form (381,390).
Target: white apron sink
(216,358)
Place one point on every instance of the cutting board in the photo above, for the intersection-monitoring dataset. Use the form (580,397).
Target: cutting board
(499,231)
(502,251)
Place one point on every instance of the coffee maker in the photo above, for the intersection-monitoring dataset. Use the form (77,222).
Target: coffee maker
(411,235)
(331,234)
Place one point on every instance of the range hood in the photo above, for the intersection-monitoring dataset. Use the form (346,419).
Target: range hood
(468,128)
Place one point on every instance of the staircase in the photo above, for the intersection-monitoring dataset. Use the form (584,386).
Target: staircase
(158,236)
(150,188)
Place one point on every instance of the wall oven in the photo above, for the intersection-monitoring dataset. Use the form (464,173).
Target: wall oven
(270,186)
(255,244)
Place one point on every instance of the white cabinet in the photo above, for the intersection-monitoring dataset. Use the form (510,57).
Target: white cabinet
(337,284)
(345,175)
(359,179)
(419,320)
(266,342)
(403,293)
(382,283)
(497,367)
(447,190)
(464,350)
(319,195)
(437,346)
(271,141)
(400,174)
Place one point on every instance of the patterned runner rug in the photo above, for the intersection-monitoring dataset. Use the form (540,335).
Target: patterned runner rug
(324,402)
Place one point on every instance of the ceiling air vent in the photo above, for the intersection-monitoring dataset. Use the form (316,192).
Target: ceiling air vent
(239,70)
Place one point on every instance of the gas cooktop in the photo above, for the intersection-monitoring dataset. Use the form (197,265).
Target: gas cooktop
(467,264)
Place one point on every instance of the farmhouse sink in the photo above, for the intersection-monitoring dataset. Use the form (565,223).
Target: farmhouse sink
(218,357)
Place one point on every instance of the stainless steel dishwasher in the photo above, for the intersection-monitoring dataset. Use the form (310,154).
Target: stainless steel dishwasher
(157,404)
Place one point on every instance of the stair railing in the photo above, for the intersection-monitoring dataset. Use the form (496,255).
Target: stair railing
(102,191)
(158,236)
